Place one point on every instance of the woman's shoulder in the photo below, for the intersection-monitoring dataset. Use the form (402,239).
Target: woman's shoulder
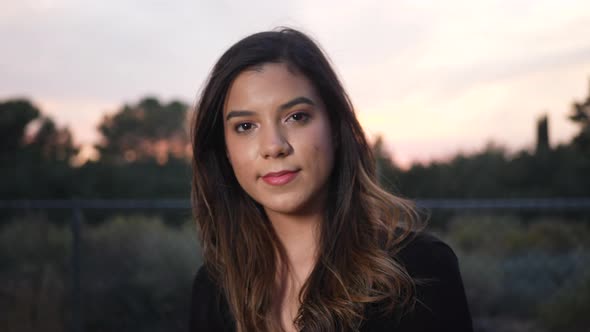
(424,254)
(208,310)
(441,302)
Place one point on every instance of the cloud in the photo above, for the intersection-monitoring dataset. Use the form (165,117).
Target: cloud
(436,69)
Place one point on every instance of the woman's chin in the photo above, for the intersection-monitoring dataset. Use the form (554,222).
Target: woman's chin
(286,206)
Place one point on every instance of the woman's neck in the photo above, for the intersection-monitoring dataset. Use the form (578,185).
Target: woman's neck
(300,239)
(299,236)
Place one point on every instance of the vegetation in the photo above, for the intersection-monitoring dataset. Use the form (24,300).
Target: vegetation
(136,275)
(527,271)
(144,152)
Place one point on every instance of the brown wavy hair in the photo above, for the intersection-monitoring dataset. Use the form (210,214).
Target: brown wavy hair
(363,228)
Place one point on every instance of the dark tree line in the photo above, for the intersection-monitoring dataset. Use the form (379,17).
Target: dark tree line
(145,153)
(33,164)
(562,171)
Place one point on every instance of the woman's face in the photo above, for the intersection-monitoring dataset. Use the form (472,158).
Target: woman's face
(278,139)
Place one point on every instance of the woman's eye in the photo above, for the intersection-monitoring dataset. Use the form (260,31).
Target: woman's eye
(299,117)
(243,127)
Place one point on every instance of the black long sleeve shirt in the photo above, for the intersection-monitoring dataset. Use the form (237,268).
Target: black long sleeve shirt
(441,305)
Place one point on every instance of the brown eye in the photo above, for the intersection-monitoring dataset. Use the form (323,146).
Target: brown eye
(300,116)
(244,127)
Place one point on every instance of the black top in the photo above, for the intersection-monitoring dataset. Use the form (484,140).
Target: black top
(441,304)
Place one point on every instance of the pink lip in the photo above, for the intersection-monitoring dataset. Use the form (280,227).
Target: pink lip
(279,178)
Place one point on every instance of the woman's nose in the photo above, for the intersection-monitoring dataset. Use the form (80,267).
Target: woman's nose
(274,144)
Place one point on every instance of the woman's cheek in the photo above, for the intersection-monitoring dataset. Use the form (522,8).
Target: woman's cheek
(242,155)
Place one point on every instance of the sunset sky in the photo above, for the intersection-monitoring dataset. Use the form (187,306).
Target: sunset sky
(433,77)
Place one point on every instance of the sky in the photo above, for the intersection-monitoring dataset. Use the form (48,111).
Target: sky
(434,78)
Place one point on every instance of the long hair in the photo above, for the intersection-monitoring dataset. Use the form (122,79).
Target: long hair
(363,228)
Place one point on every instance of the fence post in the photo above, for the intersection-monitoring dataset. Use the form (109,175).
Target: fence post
(75,264)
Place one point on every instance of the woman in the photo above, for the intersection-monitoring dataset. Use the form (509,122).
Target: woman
(295,232)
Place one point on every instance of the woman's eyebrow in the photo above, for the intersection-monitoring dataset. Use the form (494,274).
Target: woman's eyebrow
(296,101)
(233,114)
(285,106)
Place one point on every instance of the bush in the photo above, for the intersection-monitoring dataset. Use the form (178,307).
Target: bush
(34,257)
(136,275)
(138,271)
(568,309)
(517,271)
(31,242)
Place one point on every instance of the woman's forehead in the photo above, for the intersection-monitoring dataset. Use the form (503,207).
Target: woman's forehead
(268,84)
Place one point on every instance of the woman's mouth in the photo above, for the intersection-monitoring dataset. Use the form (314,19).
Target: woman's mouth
(280,178)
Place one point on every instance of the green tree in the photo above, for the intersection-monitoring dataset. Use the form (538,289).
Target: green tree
(146,131)
(35,155)
(47,142)
(53,143)
(15,116)
(581,115)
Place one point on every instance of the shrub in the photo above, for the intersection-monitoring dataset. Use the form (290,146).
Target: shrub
(136,275)
(510,268)
(568,309)
(139,271)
